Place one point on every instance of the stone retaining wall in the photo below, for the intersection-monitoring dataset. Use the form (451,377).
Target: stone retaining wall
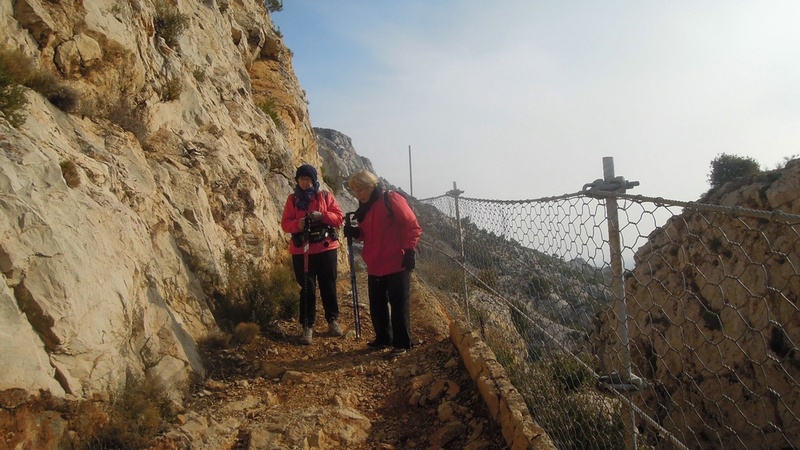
(505,403)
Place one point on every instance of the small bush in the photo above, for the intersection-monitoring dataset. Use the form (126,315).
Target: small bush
(199,75)
(128,117)
(572,411)
(169,23)
(253,295)
(786,160)
(15,69)
(171,90)
(70,172)
(64,98)
(245,333)
(50,86)
(12,104)
(215,341)
(269,108)
(137,415)
(273,5)
(725,168)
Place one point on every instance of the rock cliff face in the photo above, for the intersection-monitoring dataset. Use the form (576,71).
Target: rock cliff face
(183,147)
(714,319)
(340,159)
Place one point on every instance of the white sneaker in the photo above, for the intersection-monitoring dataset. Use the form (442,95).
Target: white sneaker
(334,328)
(308,334)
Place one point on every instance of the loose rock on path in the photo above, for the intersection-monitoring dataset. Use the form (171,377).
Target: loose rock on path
(338,393)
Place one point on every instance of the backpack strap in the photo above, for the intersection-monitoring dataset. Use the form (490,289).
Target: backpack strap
(386,193)
(388,205)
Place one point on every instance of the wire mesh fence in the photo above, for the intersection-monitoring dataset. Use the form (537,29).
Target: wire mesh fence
(684,335)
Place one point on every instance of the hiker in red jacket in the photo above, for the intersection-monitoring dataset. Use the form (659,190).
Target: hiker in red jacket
(312,216)
(390,232)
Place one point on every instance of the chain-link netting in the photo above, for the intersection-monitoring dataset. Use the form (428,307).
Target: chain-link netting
(705,297)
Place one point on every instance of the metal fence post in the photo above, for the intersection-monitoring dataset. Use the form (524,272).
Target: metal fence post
(618,288)
(455,193)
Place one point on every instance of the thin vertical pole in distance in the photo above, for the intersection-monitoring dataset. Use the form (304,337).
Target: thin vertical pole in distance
(618,289)
(410,176)
(455,193)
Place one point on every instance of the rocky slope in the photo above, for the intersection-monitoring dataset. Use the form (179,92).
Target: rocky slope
(172,163)
(338,393)
(714,320)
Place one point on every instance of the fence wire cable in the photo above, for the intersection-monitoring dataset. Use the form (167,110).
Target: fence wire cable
(575,357)
(704,207)
(726,275)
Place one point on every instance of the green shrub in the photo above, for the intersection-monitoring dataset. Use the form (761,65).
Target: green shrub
(15,69)
(12,103)
(725,168)
(169,22)
(269,108)
(273,5)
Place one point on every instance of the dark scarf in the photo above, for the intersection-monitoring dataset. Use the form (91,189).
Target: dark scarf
(302,198)
(363,208)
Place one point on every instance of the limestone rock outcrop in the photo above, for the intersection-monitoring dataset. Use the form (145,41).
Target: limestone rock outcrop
(714,319)
(183,147)
(339,159)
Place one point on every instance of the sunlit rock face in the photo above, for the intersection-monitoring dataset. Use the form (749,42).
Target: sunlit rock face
(714,319)
(182,146)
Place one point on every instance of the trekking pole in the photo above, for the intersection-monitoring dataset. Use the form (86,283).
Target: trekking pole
(353,285)
(307,239)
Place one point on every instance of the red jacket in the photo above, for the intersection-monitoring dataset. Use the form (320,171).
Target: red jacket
(385,237)
(323,202)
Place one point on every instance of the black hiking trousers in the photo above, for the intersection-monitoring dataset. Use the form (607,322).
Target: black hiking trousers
(322,271)
(389,298)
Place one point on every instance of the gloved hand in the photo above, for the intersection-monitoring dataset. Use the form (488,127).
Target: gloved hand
(351,231)
(313,218)
(409,259)
(316,217)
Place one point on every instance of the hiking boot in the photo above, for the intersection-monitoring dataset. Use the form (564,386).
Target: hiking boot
(308,333)
(397,351)
(376,344)
(334,328)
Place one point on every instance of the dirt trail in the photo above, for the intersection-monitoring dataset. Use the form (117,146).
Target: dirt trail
(338,393)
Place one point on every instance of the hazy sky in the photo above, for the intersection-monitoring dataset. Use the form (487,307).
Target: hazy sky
(523,99)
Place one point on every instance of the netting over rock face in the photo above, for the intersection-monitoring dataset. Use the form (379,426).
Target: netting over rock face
(708,307)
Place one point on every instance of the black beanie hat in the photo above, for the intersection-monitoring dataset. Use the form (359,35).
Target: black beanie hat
(306,170)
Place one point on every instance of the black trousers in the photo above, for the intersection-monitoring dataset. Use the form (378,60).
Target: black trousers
(322,271)
(389,298)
